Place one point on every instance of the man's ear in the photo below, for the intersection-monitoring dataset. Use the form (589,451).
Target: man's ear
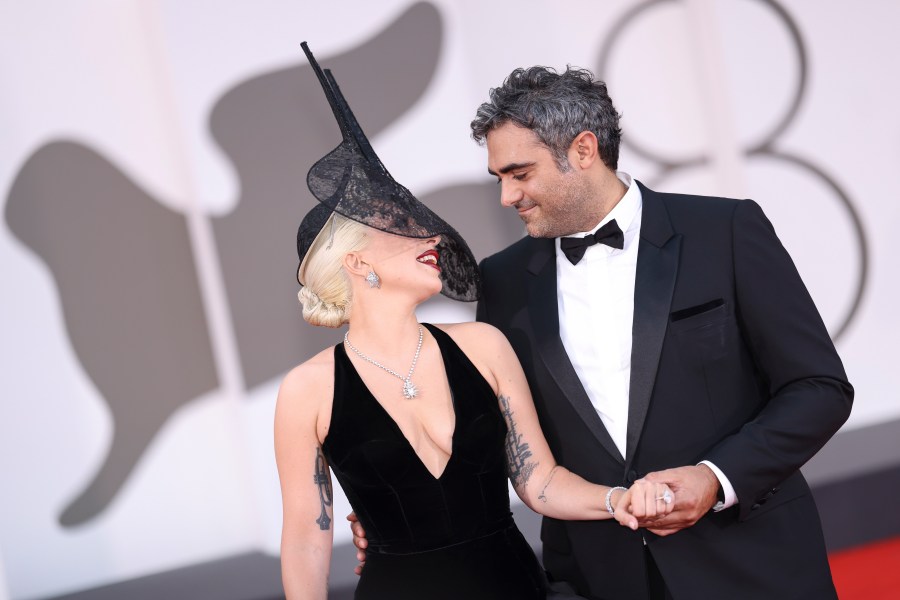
(583,151)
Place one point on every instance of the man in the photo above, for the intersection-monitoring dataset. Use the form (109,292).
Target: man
(678,344)
(665,337)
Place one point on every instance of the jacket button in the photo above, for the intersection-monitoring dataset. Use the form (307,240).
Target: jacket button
(631,477)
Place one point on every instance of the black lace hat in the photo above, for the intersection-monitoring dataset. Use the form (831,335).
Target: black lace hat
(351,181)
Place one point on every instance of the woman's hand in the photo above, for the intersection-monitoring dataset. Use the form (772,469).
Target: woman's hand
(643,503)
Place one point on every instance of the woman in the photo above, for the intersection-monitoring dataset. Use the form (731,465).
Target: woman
(421,424)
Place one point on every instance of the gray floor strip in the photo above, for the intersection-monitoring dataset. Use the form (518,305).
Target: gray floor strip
(852,453)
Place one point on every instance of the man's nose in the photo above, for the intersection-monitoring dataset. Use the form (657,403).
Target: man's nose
(510,194)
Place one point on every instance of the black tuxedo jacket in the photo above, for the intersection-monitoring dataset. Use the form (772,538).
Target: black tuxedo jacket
(730,362)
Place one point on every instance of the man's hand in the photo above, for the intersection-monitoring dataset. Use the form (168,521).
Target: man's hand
(645,502)
(695,491)
(359,540)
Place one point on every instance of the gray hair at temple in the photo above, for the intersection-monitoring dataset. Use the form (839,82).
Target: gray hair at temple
(556,107)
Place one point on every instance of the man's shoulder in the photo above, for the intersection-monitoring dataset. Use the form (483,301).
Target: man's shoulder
(691,210)
(690,202)
(513,254)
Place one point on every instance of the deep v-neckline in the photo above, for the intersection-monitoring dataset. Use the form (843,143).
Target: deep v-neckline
(393,422)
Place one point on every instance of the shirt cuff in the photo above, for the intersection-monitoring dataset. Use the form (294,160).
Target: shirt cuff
(730,496)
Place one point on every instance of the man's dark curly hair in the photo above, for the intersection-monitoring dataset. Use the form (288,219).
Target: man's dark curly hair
(556,107)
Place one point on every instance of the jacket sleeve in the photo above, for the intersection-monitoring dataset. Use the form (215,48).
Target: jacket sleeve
(809,395)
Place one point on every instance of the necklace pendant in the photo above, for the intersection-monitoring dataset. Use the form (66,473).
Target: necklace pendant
(410,390)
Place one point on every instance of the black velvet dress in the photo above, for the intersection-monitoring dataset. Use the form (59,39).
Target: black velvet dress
(450,537)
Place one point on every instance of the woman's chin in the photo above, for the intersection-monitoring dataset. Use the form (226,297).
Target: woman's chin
(429,290)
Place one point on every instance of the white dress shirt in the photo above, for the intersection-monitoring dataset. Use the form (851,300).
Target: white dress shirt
(596,311)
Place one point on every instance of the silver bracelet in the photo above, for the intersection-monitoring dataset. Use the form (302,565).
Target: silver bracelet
(609,506)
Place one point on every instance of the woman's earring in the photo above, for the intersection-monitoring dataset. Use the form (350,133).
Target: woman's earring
(373,280)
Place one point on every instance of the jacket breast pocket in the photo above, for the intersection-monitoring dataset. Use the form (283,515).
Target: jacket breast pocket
(703,332)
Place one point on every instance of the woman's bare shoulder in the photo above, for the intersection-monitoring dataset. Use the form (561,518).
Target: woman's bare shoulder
(484,345)
(475,337)
(309,383)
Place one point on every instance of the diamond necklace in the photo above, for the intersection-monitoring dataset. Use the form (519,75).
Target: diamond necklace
(410,390)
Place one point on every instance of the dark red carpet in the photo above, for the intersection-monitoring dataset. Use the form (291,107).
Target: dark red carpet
(870,572)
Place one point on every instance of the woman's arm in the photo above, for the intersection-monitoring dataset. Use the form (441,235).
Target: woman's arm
(542,484)
(306,493)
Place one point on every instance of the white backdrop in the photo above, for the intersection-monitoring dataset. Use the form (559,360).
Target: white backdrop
(136,81)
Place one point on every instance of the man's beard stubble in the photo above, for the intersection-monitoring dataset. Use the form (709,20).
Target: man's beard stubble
(569,212)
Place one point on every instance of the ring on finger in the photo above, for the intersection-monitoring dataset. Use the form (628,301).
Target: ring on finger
(667,497)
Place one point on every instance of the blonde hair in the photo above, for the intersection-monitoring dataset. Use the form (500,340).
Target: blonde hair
(326,295)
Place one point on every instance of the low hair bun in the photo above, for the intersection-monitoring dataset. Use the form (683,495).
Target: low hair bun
(320,313)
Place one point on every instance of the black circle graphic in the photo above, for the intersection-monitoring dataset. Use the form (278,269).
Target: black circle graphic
(765,147)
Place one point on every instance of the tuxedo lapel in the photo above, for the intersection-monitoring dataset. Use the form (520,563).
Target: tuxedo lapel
(657,267)
(543,311)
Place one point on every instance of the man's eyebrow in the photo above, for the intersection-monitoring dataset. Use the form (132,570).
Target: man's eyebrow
(511,167)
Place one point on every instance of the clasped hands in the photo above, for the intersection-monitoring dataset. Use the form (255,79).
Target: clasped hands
(693,493)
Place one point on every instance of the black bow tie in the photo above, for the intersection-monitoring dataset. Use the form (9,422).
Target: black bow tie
(575,247)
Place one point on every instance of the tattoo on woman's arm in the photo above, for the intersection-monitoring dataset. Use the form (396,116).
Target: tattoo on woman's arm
(517,451)
(322,481)
(542,496)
